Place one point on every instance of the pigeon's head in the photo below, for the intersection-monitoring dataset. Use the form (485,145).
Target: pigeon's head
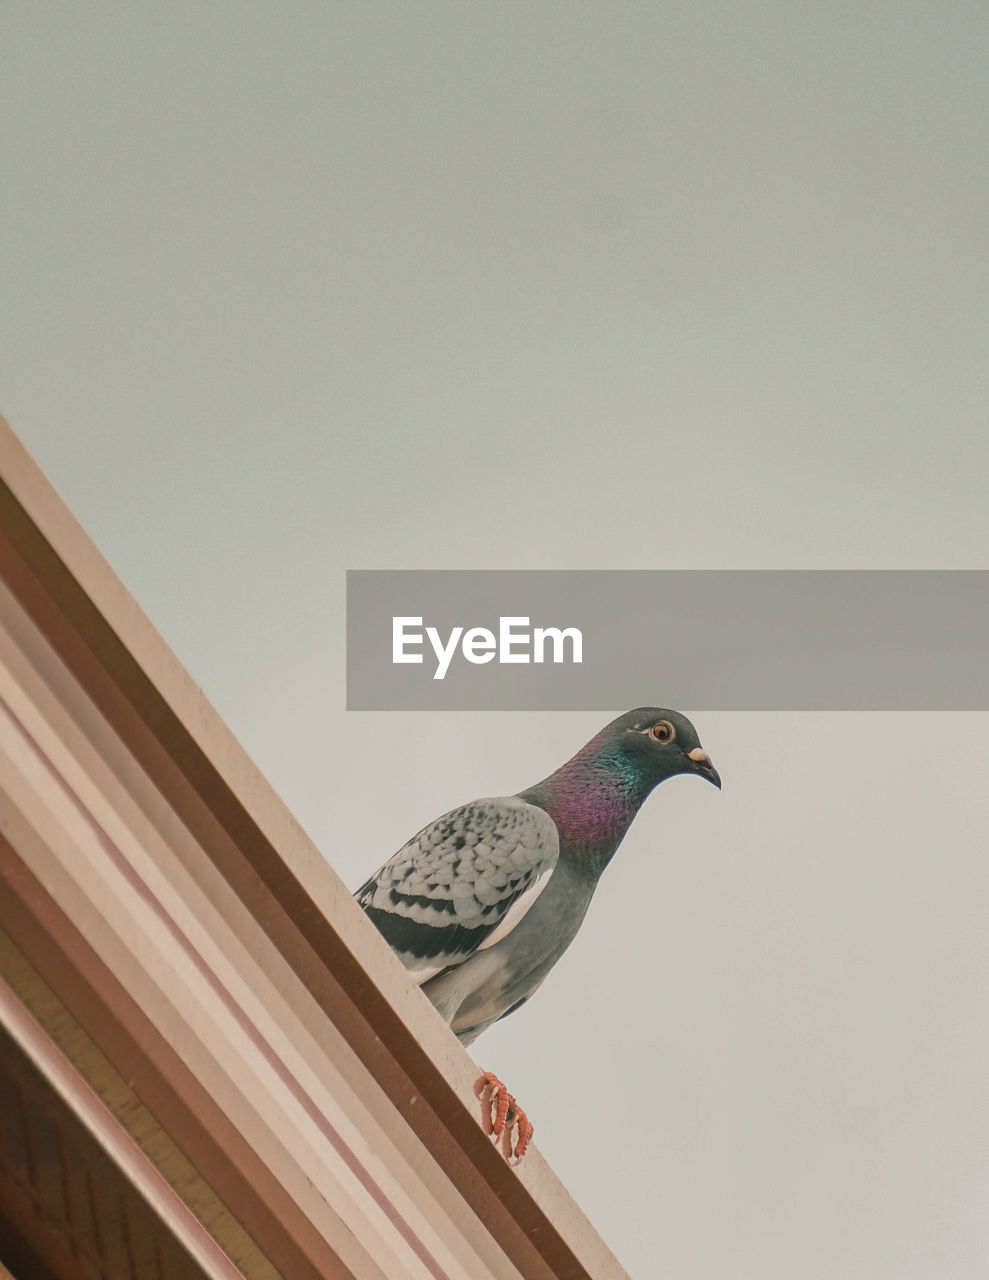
(653,744)
(594,797)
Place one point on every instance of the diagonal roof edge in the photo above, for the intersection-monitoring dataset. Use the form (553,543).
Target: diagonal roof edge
(113,650)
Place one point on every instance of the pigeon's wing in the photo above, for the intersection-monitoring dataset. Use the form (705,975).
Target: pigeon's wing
(462,883)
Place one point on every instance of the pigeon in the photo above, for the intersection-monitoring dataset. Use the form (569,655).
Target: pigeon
(482,902)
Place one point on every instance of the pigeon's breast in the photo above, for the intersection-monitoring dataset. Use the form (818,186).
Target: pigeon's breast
(499,978)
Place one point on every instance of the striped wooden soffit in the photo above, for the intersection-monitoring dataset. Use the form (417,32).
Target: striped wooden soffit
(211,1065)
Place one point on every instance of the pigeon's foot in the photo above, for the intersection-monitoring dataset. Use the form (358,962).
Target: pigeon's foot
(502,1115)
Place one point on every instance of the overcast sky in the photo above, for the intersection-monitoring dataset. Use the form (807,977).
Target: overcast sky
(287,289)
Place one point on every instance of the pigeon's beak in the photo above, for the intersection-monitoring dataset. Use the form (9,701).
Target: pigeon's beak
(702,765)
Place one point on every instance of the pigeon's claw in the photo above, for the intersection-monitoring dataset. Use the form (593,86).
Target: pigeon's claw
(525,1132)
(501,1114)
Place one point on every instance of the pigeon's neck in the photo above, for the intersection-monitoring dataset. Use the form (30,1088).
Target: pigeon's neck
(592,800)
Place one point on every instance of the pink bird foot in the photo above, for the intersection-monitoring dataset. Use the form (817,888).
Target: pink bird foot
(501,1115)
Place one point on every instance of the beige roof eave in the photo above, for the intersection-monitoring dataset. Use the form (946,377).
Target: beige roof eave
(182,942)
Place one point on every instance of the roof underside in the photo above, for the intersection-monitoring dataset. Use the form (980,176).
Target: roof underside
(66,1209)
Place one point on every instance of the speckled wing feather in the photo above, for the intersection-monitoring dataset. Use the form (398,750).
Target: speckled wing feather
(462,883)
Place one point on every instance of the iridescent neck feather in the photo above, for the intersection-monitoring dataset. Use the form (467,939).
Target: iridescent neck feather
(593,799)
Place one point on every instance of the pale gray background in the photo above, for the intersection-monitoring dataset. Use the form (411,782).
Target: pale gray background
(289,288)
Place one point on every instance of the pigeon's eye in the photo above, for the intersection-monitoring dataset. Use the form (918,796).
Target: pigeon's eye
(664,731)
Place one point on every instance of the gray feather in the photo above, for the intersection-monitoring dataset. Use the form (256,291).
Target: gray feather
(447,893)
